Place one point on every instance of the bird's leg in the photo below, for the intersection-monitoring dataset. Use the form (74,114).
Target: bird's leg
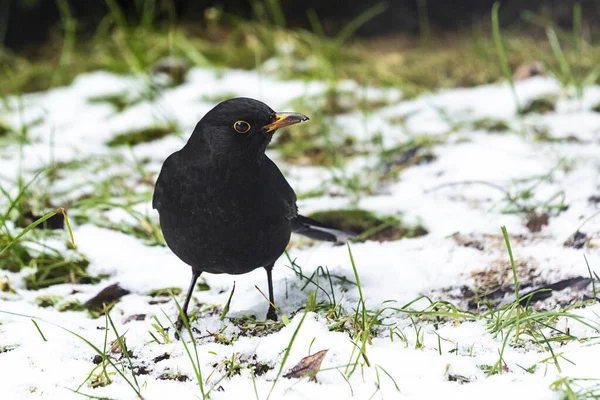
(179,324)
(271,314)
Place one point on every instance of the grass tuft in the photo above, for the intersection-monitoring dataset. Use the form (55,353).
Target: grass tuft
(490,125)
(169,291)
(52,270)
(367,225)
(119,101)
(143,135)
(540,105)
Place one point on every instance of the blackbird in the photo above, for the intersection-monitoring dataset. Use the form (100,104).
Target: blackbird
(224,206)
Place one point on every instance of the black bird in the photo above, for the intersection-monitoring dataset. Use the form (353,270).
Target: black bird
(224,206)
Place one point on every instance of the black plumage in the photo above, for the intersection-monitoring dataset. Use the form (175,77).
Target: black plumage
(224,206)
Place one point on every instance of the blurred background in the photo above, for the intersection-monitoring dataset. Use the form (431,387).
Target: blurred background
(417,45)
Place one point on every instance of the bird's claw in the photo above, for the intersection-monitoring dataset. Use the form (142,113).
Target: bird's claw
(272,314)
(178,328)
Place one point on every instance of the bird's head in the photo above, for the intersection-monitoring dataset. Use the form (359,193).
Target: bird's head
(240,128)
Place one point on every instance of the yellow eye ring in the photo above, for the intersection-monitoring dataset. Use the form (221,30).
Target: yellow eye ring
(241,126)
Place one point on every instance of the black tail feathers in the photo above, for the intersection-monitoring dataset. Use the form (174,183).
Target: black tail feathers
(316,230)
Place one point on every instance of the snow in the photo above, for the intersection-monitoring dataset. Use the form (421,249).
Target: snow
(392,274)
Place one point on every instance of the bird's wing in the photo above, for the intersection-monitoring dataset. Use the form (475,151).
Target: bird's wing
(283,188)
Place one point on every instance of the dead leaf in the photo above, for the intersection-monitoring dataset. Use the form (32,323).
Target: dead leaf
(467,241)
(134,317)
(535,221)
(115,347)
(458,378)
(108,295)
(525,71)
(577,240)
(164,356)
(308,366)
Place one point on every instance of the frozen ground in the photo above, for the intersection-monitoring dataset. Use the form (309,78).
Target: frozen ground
(550,162)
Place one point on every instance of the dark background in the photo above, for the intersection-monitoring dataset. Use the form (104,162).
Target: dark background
(25,23)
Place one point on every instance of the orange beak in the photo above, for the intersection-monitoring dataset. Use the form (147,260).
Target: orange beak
(285,119)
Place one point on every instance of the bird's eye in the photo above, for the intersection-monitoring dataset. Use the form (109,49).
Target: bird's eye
(241,126)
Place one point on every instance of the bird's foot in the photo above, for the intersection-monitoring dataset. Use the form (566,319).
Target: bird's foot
(272,314)
(178,327)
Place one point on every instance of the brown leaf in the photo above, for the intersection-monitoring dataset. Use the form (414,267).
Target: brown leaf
(115,347)
(468,241)
(525,71)
(106,296)
(535,221)
(308,366)
(134,317)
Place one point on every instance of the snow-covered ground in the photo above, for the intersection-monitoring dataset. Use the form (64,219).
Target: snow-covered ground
(426,357)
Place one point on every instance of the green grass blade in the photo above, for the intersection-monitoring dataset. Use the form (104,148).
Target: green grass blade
(15,201)
(315,23)
(39,330)
(577,31)
(566,76)
(515,278)
(512,263)
(502,54)
(389,376)
(254,384)
(69,229)
(286,354)
(360,293)
(226,308)
(591,277)
(276,11)
(123,346)
(195,363)
(29,228)
(352,26)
